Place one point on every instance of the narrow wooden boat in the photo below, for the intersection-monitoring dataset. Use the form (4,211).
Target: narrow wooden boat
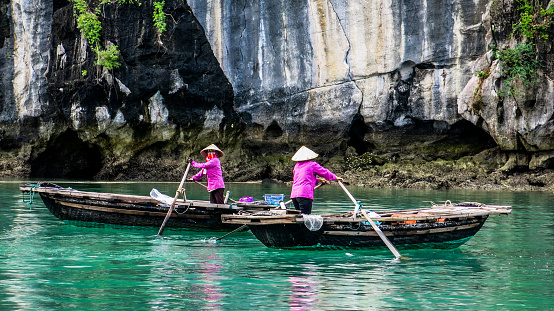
(88,208)
(440,226)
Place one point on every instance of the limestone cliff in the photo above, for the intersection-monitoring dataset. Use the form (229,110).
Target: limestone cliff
(261,78)
(520,121)
(297,61)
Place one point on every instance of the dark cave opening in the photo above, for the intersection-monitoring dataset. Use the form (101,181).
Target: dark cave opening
(464,132)
(266,173)
(67,156)
(356,134)
(435,139)
(273,130)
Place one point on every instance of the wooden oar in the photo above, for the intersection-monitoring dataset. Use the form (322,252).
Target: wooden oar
(237,229)
(318,185)
(373,225)
(174,200)
(226,197)
(382,235)
(201,184)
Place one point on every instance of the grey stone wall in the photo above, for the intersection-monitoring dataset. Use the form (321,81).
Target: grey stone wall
(259,78)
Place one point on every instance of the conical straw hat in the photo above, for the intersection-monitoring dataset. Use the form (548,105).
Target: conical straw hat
(204,151)
(304,154)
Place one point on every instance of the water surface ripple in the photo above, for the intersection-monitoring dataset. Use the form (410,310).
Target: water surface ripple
(46,264)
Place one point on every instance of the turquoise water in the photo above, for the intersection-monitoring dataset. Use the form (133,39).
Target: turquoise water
(46,264)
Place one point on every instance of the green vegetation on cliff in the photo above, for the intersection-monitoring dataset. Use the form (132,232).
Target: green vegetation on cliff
(522,62)
(87,13)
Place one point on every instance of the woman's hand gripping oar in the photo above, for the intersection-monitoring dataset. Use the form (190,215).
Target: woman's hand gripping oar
(373,225)
(174,200)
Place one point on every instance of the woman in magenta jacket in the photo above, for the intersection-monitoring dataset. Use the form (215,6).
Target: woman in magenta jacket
(213,172)
(305,179)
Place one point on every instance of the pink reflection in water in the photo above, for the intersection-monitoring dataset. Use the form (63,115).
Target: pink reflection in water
(303,293)
(210,276)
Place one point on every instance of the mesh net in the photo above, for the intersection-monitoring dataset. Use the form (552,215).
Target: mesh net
(313,222)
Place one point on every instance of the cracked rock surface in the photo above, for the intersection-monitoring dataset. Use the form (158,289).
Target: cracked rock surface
(260,79)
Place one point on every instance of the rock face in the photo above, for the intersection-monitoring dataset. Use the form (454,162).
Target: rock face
(522,122)
(292,63)
(260,79)
(68,117)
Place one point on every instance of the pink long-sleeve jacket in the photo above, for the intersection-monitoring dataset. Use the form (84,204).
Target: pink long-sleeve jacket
(213,172)
(305,180)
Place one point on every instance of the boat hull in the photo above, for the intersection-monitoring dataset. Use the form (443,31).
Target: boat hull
(356,235)
(91,209)
(100,212)
(445,225)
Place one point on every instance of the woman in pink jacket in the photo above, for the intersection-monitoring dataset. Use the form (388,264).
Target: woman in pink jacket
(305,179)
(213,172)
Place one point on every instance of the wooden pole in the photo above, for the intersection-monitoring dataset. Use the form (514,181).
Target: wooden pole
(201,184)
(237,229)
(318,185)
(373,225)
(382,235)
(226,197)
(160,232)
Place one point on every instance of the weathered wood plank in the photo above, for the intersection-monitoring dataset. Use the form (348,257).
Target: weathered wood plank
(400,233)
(127,211)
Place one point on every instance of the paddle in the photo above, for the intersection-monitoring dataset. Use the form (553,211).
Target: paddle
(221,237)
(373,225)
(201,184)
(226,197)
(174,200)
(324,182)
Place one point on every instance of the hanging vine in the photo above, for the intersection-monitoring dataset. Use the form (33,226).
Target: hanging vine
(87,13)
(159,18)
(522,62)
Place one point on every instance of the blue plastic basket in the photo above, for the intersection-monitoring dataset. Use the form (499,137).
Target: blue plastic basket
(274,199)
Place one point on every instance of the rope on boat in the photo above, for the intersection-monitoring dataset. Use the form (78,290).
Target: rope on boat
(175,209)
(32,193)
(313,222)
(180,213)
(477,204)
(449,204)
(373,216)
(359,225)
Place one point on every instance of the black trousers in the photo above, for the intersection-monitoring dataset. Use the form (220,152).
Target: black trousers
(303,204)
(216,196)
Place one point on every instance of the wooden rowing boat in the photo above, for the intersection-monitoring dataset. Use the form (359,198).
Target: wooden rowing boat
(88,208)
(440,226)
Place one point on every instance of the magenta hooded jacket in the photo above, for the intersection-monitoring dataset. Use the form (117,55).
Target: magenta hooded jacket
(212,169)
(305,180)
